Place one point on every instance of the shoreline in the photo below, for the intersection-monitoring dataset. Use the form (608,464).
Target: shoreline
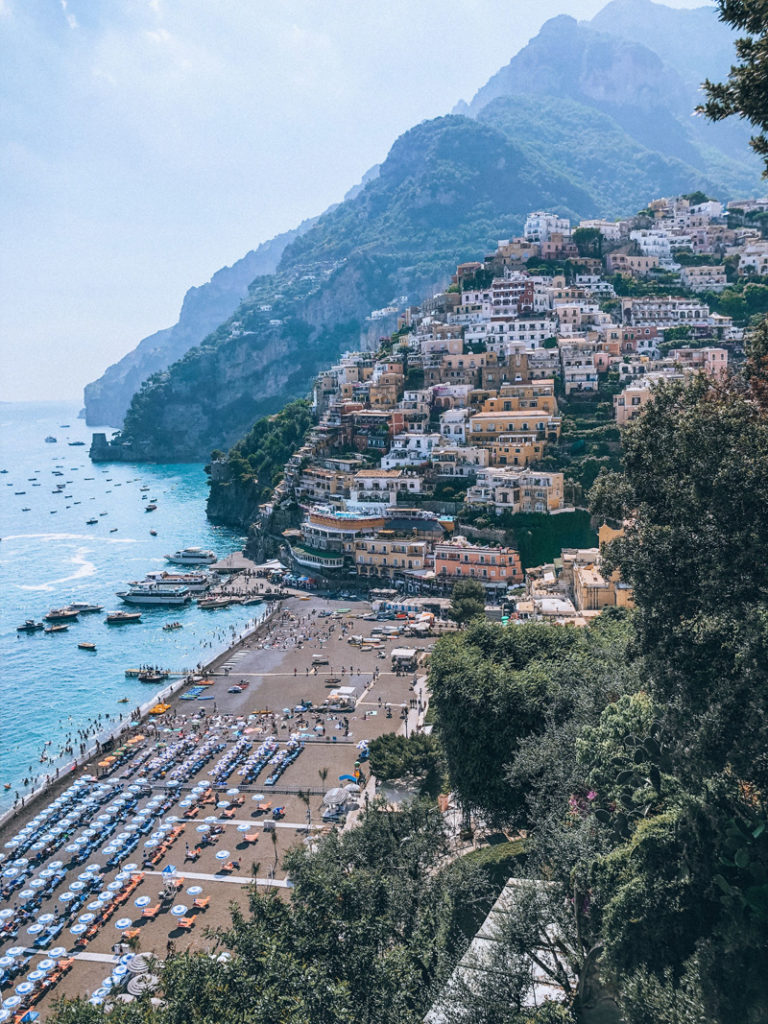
(64,777)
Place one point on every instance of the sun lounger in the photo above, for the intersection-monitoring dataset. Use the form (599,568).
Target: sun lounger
(201,903)
(151,912)
(265,807)
(132,933)
(251,837)
(186,923)
(229,813)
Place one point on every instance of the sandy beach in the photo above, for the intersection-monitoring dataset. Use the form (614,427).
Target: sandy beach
(277,667)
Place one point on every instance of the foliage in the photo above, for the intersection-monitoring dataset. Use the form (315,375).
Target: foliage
(745,91)
(467,600)
(419,756)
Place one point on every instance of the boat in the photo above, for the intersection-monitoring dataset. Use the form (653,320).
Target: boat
(29,626)
(64,426)
(26,509)
(153,675)
(17,493)
(141,488)
(122,700)
(154,593)
(56,629)
(173,625)
(150,508)
(113,530)
(86,645)
(116,618)
(215,602)
(153,533)
(76,444)
(91,522)
(195,582)
(83,608)
(50,439)
(192,556)
(61,614)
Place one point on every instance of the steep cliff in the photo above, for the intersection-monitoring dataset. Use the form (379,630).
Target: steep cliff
(446,189)
(203,309)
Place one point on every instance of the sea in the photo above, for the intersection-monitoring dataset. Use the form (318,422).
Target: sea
(50,690)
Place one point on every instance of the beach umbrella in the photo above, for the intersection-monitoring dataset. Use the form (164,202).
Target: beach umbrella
(87,918)
(10,873)
(257,797)
(85,876)
(223,803)
(46,965)
(124,835)
(21,862)
(36,976)
(45,919)
(77,886)
(203,828)
(56,952)
(57,865)
(95,906)
(26,894)
(6,912)
(138,964)
(71,848)
(222,854)
(211,819)
(47,873)
(11,844)
(89,833)
(121,970)
(130,829)
(94,868)
(115,886)
(98,996)
(243,827)
(194,890)
(142,901)
(234,791)
(11,1002)
(35,929)
(105,897)
(123,923)
(150,844)
(179,910)
(25,988)
(7,961)
(66,896)
(108,851)
(37,883)
(15,951)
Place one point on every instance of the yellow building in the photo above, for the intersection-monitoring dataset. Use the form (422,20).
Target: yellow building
(488,426)
(515,450)
(388,556)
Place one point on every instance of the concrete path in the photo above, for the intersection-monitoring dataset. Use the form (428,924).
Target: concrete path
(277,883)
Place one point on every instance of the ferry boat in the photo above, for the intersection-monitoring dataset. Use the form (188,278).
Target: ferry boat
(192,556)
(29,626)
(154,593)
(195,582)
(86,645)
(117,618)
(83,608)
(61,614)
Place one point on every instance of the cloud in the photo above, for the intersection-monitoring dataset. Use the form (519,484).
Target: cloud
(71,19)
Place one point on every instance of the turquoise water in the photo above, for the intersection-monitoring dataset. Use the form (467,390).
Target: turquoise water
(50,557)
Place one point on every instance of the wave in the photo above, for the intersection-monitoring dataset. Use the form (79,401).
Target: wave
(86,568)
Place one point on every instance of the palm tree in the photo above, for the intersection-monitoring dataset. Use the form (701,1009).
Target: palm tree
(323,773)
(273,836)
(305,796)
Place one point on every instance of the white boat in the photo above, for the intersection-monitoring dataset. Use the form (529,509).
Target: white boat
(195,582)
(192,556)
(154,593)
(84,608)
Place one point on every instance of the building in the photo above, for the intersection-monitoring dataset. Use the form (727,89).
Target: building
(386,556)
(489,426)
(540,226)
(382,485)
(517,490)
(494,567)
(704,278)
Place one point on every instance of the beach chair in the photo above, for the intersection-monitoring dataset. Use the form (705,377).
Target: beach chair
(264,808)
(229,813)
(251,837)
(151,912)
(186,923)
(201,903)
(132,933)
(193,812)
(227,868)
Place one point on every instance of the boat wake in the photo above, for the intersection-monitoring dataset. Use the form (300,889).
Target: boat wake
(86,568)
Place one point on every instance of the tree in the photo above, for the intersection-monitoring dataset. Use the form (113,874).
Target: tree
(418,757)
(467,600)
(745,91)
(589,242)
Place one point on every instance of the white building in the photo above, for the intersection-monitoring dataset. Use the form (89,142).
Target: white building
(539,226)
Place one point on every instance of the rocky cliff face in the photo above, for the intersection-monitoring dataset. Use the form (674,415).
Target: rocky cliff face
(203,309)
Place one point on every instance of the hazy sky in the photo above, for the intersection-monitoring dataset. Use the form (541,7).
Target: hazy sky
(146,143)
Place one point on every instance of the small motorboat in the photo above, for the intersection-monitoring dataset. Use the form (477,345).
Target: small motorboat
(113,530)
(116,618)
(56,629)
(29,626)
(150,508)
(86,645)
(91,522)
(50,439)
(122,700)
(153,533)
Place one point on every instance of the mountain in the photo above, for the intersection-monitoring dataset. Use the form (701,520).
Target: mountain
(640,64)
(587,119)
(203,309)
(447,187)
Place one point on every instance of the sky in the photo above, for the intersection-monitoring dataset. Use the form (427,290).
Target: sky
(146,143)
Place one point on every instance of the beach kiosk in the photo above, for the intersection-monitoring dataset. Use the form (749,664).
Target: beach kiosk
(404,659)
